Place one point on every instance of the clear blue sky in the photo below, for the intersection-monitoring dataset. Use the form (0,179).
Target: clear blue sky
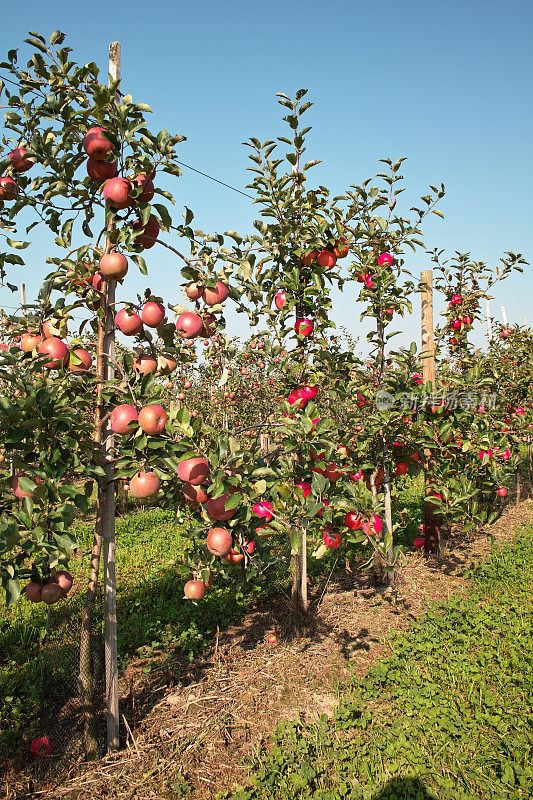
(446,84)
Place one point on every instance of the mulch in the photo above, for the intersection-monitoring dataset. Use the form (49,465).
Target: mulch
(189,729)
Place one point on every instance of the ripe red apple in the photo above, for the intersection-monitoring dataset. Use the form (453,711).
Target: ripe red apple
(146,185)
(332,472)
(51,593)
(309,257)
(57,349)
(148,233)
(195,494)
(419,542)
(506,455)
(19,163)
(341,249)
(505,333)
(153,419)
(271,638)
(304,327)
(217,508)
(120,418)
(189,325)
(30,341)
(194,590)
(97,281)
(194,470)
(217,295)
(187,385)
(373,526)
(219,542)
(128,324)
(85,358)
(502,491)
(326,259)
(33,592)
(153,314)
(114,266)
(305,486)
(263,509)
(331,538)
(352,521)
(181,396)
(456,324)
(468,319)
(298,396)
(310,391)
(145,364)
(117,193)
(54,327)
(96,145)
(456,300)
(402,468)
(166,364)
(418,379)
(385,259)
(101,171)
(40,747)
(64,580)
(144,484)
(280,299)
(193,291)
(9,188)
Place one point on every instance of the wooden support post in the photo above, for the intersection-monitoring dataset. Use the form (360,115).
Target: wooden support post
(23,298)
(108,527)
(431,523)
(265,444)
(489,319)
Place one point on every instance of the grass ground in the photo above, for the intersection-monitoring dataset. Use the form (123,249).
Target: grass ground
(447,715)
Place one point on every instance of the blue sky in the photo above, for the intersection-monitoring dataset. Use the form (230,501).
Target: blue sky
(445,84)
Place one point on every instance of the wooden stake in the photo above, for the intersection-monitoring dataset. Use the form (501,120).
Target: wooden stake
(489,319)
(265,444)
(431,528)
(23,297)
(504,315)
(108,528)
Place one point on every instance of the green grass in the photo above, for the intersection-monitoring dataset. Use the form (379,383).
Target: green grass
(447,715)
(39,644)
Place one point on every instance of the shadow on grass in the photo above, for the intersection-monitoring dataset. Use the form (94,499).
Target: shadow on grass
(405,789)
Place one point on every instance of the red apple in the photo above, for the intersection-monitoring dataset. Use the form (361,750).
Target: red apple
(96,145)
(217,508)
(263,509)
(402,468)
(502,491)
(456,300)
(419,542)
(326,259)
(195,494)
(19,494)
(219,542)
(194,590)
(331,538)
(145,364)
(385,259)
(114,266)
(30,341)
(33,592)
(40,747)
(84,357)
(153,419)
(305,486)
(153,314)
(304,327)
(310,391)
(120,418)
(128,323)
(117,193)
(505,333)
(217,295)
(280,299)
(9,188)
(18,161)
(373,526)
(332,472)
(51,593)
(194,470)
(193,291)
(64,580)
(144,484)
(101,171)
(146,185)
(57,349)
(189,325)
(341,249)
(148,233)
(352,521)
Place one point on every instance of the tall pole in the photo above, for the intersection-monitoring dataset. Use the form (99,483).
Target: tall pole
(504,315)
(23,297)
(108,528)
(431,529)
(489,319)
